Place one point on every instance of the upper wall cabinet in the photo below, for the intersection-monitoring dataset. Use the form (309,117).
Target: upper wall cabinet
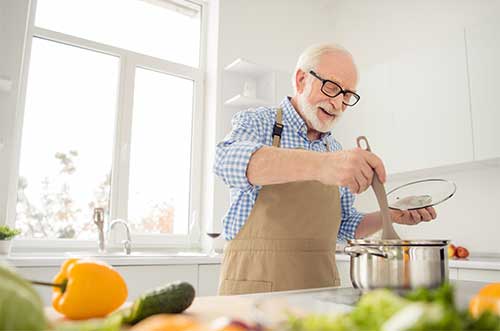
(414,107)
(483,50)
(430,102)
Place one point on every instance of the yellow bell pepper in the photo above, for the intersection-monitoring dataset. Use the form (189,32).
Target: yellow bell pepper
(89,289)
(487,299)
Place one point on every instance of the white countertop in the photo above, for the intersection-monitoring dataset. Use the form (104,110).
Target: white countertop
(34,260)
(487,263)
(56,260)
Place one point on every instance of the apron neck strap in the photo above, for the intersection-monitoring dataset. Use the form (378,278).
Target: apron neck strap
(278,128)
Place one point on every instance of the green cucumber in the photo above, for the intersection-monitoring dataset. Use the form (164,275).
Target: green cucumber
(170,299)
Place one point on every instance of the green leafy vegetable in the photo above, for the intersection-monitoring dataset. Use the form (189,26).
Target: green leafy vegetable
(437,316)
(321,323)
(419,310)
(21,307)
(376,307)
(110,323)
(443,294)
(486,321)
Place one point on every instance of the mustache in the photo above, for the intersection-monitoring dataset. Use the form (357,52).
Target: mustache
(329,108)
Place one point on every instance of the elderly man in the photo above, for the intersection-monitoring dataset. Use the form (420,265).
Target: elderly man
(292,185)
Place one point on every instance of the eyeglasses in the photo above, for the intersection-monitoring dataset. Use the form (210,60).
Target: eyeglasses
(332,89)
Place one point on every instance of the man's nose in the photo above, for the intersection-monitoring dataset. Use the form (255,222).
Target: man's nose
(337,102)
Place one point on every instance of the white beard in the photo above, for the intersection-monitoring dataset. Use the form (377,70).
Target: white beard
(310,111)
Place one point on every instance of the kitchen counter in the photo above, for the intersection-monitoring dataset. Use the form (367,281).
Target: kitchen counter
(48,260)
(252,307)
(55,260)
(316,300)
(476,262)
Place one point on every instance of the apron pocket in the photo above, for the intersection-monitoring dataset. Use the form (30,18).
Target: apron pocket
(229,287)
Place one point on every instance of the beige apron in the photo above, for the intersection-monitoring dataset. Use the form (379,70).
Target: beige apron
(288,241)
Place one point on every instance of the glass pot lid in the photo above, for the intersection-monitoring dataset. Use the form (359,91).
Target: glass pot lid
(421,194)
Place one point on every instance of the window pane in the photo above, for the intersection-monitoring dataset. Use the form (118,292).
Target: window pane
(161,28)
(160,153)
(66,140)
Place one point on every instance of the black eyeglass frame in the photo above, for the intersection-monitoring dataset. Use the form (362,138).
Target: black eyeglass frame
(341,90)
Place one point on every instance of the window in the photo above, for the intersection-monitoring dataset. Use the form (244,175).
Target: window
(67,139)
(166,29)
(162,122)
(112,95)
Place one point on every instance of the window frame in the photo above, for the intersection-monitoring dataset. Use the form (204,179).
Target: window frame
(129,61)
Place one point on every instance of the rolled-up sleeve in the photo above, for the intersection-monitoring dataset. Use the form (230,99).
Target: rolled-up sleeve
(234,152)
(350,216)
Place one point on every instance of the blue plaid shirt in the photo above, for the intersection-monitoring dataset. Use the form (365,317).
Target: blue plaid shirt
(252,129)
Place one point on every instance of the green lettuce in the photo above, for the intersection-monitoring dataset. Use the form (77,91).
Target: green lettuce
(21,308)
(384,310)
(375,308)
(371,312)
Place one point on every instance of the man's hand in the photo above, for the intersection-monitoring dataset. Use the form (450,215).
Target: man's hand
(412,217)
(352,168)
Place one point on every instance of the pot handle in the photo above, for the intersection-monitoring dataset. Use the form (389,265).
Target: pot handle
(358,250)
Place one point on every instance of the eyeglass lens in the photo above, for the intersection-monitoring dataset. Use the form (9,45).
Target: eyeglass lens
(333,90)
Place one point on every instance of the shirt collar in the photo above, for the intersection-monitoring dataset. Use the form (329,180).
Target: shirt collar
(291,117)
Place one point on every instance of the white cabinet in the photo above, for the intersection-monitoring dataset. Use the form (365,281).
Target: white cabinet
(483,50)
(429,99)
(42,274)
(205,277)
(344,269)
(140,279)
(479,275)
(453,274)
(414,107)
(208,279)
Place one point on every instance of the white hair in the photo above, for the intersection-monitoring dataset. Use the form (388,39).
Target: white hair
(310,57)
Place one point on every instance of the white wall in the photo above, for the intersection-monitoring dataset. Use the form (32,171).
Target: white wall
(271,33)
(375,32)
(378,31)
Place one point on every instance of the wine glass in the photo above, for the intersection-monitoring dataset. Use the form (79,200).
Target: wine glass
(213,235)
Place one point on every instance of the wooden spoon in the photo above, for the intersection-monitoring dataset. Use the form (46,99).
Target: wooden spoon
(388,231)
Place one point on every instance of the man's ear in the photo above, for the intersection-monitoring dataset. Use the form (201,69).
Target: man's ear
(300,80)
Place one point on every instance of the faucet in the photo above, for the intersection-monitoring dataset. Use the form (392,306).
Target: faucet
(99,221)
(127,244)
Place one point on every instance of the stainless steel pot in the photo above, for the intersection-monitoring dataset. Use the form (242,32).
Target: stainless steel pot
(398,264)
